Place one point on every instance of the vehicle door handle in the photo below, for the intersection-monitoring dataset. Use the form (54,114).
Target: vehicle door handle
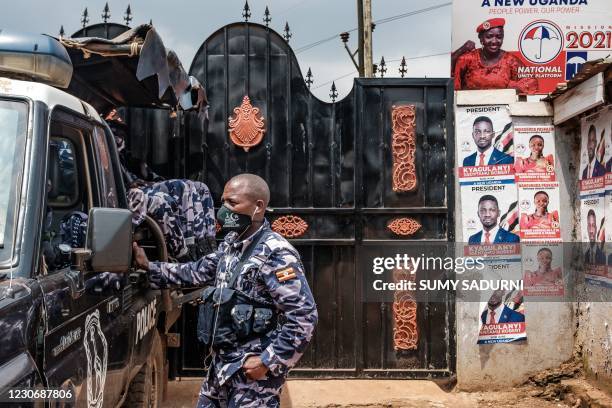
(65,311)
(65,306)
(75,282)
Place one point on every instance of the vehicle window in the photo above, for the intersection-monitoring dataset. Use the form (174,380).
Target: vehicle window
(109,187)
(62,180)
(69,194)
(14,119)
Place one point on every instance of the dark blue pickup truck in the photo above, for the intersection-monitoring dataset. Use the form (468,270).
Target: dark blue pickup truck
(78,326)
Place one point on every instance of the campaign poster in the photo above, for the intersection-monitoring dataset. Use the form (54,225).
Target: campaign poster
(527,45)
(484,142)
(606,121)
(490,218)
(534,149)
(592,225)
(502,308)
(543,269)
(592,170)
(539,211)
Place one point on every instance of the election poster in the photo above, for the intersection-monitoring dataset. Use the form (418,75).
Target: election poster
(543,270)
(527,45)
(592,225)
(502,309)
(484,142)
(592,170)
(606,121)
(595,195)
(592,218)
(490,218)
(539,211)
(534,149)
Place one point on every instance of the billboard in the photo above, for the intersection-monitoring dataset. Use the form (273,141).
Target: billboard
(528,45)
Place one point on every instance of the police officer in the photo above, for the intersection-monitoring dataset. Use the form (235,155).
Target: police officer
(259,311)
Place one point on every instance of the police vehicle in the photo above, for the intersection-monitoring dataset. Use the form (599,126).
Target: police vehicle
(78,326)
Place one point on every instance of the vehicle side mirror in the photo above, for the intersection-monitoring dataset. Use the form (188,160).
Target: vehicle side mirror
(109,238)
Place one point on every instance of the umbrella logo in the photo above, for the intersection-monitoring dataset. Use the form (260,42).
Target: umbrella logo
(541,41)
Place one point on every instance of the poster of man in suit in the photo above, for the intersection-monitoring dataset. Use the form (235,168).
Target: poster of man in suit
(490,215)
(484,142)
(596,196)
(594,136)
(502,309)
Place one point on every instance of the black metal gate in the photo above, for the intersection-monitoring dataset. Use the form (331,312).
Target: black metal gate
(330,164)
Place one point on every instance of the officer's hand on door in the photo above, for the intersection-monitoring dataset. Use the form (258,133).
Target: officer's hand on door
(139,257)
(254,368)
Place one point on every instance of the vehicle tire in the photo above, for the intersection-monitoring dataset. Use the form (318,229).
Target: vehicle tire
(146,389)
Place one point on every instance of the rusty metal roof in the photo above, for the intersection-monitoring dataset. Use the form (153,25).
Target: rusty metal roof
(589,69)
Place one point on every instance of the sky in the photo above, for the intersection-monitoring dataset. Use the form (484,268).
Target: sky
(185,24)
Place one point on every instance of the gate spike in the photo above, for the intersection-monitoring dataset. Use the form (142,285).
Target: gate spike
(334,93)
(61,31)
(403,69)
(128,16)
(309,80)
(106,13)
(85,17)
(246,11)
(287,34)
(383,67)
(267,17)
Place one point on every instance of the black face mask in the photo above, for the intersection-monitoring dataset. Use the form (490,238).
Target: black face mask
(232,221)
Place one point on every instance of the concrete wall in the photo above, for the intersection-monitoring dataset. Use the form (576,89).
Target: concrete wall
(594,339)
(593,333)
(550,326)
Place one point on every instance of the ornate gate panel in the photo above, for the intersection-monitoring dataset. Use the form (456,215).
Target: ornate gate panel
(372,169)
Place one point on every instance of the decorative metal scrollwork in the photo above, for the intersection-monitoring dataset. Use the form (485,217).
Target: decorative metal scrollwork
(246,129)
(290,226)
(405,329)
(404,226)
(403,147)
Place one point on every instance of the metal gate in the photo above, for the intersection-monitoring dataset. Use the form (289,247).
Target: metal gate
(332,172)
(337,184)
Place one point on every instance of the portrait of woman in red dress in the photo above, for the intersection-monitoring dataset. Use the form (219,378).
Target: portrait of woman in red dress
(545,274)
(541,217)
(536,162)
(489,67)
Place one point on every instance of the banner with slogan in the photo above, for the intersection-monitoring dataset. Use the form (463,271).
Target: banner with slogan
(528,45)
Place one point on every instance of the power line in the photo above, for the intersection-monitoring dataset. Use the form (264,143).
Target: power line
(411,13)
(393,60)
(377,22)
(335,79)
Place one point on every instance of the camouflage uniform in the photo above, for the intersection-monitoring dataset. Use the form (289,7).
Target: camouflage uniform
(226,385)
(165,211)
(196,207)
(184,210)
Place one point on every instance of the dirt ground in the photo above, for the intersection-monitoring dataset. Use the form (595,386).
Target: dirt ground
(411,394)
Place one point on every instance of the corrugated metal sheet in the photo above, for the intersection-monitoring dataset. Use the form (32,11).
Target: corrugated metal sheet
(589,69)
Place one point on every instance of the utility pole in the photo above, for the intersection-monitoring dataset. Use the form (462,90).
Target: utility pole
(364,15)
(360,56)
